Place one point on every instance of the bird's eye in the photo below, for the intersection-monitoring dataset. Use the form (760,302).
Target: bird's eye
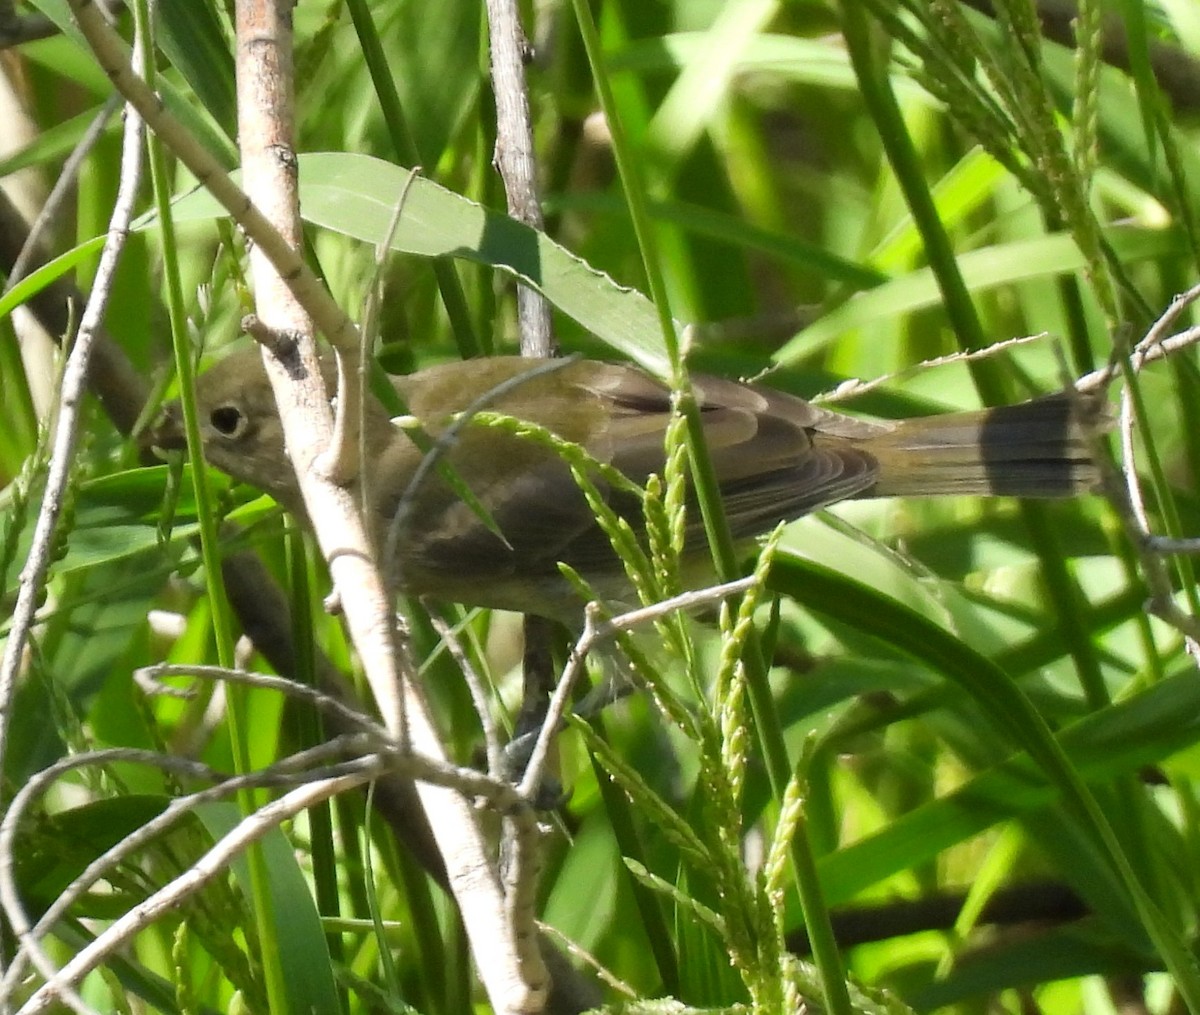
(228,420)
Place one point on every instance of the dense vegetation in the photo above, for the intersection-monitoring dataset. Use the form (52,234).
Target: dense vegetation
(957,743)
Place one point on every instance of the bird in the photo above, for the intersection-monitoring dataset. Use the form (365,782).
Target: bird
(776,458)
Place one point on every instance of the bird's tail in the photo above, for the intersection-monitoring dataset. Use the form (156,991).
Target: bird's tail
(1036,449)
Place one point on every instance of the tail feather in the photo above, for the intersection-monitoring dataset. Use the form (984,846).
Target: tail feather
(1036,449)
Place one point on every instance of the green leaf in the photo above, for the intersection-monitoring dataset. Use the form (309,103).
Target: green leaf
(357,195)
(299,937)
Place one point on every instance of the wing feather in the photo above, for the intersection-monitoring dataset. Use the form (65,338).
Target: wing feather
(776,457)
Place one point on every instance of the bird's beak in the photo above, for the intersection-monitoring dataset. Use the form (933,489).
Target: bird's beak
(167,432)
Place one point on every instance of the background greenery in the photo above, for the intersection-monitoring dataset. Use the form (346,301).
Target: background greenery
(1026,188)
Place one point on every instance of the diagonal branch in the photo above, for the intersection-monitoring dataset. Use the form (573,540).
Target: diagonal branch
(74,387)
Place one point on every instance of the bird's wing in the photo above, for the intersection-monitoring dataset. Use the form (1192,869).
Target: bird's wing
(776,457)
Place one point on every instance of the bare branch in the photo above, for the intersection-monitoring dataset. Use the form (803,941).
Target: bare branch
(212,865)
(514,982)
(287,773)
(64,185)
(74,387)
(149,679)
(514,158)
(1123,489)
(479,697)
(113,55)
(595,632)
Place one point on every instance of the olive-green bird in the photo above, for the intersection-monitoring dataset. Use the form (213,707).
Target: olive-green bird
(776,457)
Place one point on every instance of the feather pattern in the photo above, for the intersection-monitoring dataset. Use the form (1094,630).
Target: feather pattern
(776,457)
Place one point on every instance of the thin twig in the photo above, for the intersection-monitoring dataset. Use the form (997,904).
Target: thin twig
(524,856)
(514,158)
(72,391)
(1149,350)
(573,948)
(212,865)
(149,679)
(113,54)
(369,755)
(1156,345)
(265,132)
(64,186)
(1133,484)
(479,697)
(1122,489)
(286,773)
(596,631)
(1167,545)
(341,462)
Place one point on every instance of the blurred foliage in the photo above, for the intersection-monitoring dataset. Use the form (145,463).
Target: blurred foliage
(837,191)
